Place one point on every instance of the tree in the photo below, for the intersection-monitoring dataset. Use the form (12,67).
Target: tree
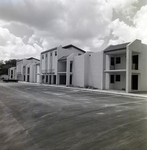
(5,65)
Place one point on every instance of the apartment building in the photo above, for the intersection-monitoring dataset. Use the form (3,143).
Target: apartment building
(12,73)
(56,64)
(118,67)
(125,67)
(25,69)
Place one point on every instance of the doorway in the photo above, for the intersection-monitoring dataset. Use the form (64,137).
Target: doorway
(134,82)
(63,79)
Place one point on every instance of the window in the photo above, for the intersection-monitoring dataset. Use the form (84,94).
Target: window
(55,53)
(118,61)
(28,70)
(117,77)
(50,54)
(46,55)
(71,66)
(111,78)
(79,54)
(42,56)
(112,61)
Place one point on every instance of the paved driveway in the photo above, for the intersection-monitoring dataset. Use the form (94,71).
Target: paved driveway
(39,117)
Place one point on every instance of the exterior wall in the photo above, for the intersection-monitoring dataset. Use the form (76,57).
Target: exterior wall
(95,70)
(88,70)
(137,48)
(69,72)
(21,68)
(78,71)
(118,85)
(51,63)
(37,73)
(122,64)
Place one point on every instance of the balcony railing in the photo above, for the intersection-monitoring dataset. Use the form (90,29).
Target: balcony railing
(49,71)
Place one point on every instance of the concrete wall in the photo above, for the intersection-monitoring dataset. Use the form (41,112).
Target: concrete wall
(78,71)
(122,64)
(88,70)
(140,49)
(95,70)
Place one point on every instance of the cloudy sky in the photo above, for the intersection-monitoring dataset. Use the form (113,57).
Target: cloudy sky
(28,27)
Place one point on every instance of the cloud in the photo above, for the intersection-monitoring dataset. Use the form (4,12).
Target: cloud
(122,32)
(13,47)
(126,7)
(30,26)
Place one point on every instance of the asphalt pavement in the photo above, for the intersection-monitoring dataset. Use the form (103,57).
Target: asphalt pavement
(40,117)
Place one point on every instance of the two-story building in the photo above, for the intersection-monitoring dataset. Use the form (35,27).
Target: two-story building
(25,69)
(12,73)
(55,65)
(125,67)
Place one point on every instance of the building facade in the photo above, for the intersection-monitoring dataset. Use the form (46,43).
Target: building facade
(25,69)
(12,73)
(118,67)
(56,64)
(125,67)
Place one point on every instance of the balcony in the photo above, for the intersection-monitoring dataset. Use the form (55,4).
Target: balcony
(48,71)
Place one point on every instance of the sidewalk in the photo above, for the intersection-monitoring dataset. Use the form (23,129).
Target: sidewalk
(110,92)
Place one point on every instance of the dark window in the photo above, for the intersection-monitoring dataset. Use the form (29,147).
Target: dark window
(70,80)
(135,62)
(55,53)
(47,79)
(50,54)
(28,70)
(111,78)
(42,56)
(11,71)
(70,66)
(117,77)
(79,54)
(112,61)
(46,55)
(54,81)
(118,61)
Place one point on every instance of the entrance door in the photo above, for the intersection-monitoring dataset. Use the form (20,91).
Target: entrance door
(134,82)
(28,78)
(54,79)
(50,79)
(62,79)
(46,78)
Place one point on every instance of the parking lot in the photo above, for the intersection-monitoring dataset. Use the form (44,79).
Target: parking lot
(42,117)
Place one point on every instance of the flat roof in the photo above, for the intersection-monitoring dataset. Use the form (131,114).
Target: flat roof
(116,47)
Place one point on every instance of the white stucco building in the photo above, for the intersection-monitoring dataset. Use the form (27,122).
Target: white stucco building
(56,64)
(12,73)
(25,69)
(125,67)
(118,67)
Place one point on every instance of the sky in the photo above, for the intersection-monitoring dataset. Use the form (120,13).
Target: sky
(28,27)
